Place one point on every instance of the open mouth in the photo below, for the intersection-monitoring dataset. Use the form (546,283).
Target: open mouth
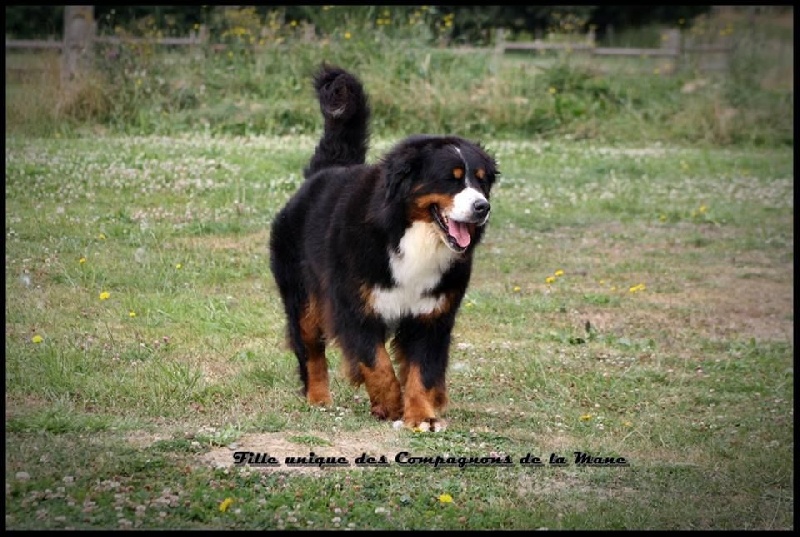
(457,234)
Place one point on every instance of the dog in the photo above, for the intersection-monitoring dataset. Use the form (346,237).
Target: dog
(366,253)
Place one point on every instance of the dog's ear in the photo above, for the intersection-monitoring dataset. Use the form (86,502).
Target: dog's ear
(398,179)
(399,168)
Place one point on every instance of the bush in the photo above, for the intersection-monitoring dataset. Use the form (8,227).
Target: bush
(260,84)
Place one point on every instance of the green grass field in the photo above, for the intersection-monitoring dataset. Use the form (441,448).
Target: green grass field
(629,300)
(632,298)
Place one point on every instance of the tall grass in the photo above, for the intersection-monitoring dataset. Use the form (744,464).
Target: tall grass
(258,84)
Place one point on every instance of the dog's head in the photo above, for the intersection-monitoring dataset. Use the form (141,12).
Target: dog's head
(444,180)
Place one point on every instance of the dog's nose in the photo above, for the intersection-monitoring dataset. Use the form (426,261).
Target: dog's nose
(480,208)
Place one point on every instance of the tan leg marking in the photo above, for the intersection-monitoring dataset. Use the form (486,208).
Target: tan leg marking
(421,404)
(317,365)
(382,386)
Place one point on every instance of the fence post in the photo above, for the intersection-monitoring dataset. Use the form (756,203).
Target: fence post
(499,50)
(672,42)
(499,40)
(79,30)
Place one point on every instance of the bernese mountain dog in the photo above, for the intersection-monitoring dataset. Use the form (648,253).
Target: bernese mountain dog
(367,253)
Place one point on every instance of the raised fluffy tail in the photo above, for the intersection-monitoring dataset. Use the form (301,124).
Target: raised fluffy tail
(345,107)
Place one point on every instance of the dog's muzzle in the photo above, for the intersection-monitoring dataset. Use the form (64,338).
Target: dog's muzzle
(470,209)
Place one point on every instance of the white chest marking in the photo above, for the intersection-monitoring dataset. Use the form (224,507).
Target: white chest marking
(416,269)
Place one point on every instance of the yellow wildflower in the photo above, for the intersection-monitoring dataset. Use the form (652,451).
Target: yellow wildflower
(552,90)
(82,260)
(586,417)
(559,272)
(225,504)
(550,279)
(347,35)
(517,288)
(445,498)
(178,266)
(131,314)
(37,338)
(105,295)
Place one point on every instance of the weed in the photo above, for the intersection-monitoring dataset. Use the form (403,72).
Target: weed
(591,325)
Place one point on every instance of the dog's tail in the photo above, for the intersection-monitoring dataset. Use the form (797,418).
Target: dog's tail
(345,107)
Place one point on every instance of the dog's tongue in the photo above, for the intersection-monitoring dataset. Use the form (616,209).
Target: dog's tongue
(459,231)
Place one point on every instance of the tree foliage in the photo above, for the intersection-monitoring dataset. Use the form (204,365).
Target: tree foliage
(471,23)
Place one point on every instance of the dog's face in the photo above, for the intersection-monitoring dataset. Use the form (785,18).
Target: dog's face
(446,182)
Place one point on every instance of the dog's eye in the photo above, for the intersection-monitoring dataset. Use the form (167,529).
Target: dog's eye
(458,173)
(480,173)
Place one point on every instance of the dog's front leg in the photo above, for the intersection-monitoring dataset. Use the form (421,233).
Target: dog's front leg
(422,404)
(421,347)
(382,386)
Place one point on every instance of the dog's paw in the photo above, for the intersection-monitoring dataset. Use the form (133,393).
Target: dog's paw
(432,425)
(319,399)
(381,412)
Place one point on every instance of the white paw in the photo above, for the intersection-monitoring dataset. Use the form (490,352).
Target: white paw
(433,426)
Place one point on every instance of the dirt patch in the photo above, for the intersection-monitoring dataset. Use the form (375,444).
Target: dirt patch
(142,439)
(350,445)
(749,295)
(254,242)
(742,303)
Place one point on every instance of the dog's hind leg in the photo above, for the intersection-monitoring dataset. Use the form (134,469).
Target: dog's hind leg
(304,327)
(345,108)
(306,339)
(315,376)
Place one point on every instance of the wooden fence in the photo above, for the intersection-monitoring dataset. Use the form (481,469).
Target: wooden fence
(80,36)
(673,46)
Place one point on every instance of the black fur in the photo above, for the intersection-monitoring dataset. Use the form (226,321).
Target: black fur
(332,242)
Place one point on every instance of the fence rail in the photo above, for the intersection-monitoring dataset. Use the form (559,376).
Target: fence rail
(80,35)
(34,44)
(192,40)
(673,46)
(638,52)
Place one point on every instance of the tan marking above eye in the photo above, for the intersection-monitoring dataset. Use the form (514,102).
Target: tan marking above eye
(480,173)
(458,173)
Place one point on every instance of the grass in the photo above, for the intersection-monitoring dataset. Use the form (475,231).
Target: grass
(632,297)
(663,336)
(258,85)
